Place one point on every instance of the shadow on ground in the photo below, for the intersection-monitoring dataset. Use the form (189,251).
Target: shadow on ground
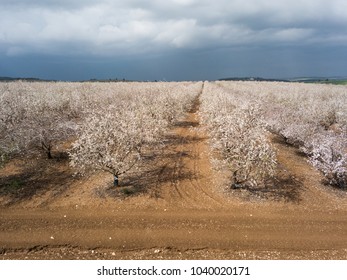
(36,178)
(159,166)
(284,187)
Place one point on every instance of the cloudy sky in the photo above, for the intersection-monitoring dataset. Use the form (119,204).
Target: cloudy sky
(172,39)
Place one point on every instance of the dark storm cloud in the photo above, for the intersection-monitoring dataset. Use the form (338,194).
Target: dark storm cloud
(105,27)
(136,29)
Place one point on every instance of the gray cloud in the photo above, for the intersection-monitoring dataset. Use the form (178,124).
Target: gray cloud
(108,27)
(173,39)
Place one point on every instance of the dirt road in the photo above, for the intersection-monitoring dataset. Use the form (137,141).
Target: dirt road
(184,214)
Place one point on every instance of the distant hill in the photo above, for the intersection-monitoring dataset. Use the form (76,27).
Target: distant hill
(10,79)
(320,80)
(6,79)
(253,79)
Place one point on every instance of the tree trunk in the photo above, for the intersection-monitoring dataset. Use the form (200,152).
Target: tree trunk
(49,154)
(48,149)
(115,181)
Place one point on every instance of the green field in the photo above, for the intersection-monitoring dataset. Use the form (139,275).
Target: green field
(334,82)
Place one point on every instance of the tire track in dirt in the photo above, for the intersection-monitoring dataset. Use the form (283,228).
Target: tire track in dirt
(313,193)
(193,175)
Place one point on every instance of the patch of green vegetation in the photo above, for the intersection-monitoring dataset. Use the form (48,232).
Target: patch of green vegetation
(334,82)
(13,186)
(3,159)
(128,190)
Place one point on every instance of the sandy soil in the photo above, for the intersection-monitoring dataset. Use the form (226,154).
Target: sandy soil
(177,206)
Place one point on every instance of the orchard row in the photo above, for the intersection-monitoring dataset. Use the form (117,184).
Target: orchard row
(110,125)
(312,117)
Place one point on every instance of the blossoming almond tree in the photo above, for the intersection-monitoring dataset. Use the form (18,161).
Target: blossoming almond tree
(329,156)
(112,139)
(110,142)
(312,117)
(238,134)
(35,116)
